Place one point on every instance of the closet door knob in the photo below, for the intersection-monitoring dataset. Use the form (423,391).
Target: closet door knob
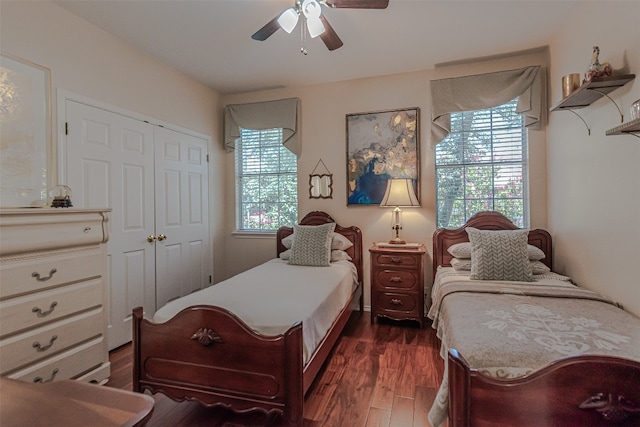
(161,237)
(151,239)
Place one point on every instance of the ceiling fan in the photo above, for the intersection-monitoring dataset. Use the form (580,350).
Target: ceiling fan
(315,22)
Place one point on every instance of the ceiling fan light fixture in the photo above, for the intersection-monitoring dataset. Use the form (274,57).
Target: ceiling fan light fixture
(315,27)
(288,20)
(311,9)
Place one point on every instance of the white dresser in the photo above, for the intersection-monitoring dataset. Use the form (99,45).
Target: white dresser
(52,294)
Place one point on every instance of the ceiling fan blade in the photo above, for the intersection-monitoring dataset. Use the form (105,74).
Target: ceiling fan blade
(358,4)
(329,37)
(265,32)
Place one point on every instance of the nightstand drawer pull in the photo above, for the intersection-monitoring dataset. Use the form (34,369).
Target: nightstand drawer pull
(44,279)
(396,260)
(40,347)
(396,301)
(41,313)
(395,279)
(41,380)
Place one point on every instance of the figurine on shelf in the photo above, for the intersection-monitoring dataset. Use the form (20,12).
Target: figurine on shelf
(596,69)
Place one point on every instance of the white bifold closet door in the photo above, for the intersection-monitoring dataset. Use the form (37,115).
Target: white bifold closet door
(155,181)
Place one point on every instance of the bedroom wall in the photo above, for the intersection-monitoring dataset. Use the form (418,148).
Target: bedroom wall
(594,181)
(89,62)
(323,137)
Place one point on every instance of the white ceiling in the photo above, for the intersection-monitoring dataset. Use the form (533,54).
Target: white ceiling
(210,40)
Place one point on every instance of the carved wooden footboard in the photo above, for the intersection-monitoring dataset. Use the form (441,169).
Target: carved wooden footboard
(576,391)
(207,354)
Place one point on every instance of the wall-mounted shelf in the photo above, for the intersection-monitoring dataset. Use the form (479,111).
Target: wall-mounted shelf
(632,128)
(590,92)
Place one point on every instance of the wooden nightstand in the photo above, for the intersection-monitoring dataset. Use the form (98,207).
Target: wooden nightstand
(397,282)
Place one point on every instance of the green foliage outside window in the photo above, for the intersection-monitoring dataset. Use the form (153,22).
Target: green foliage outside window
(482,166)
(266,182)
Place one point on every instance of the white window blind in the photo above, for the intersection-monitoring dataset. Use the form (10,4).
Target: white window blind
(482,165)
(266,181)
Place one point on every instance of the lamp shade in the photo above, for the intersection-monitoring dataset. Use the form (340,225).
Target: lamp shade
(399,192)
(288,20)
(315,27)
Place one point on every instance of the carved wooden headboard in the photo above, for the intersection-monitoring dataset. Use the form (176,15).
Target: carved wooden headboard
(352,233)
(443,238)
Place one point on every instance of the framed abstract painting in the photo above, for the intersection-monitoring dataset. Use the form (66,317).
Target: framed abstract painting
(381,145)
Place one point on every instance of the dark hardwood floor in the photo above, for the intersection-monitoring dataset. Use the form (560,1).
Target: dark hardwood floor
(384,375)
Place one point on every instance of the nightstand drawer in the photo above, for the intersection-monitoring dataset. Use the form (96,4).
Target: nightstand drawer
(397,279)
(397,260)
(396,302)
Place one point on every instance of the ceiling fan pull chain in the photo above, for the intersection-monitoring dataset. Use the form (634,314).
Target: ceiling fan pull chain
(303,37)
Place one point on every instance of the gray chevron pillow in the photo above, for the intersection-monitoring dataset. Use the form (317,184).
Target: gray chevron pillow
(499,255)
(312,245)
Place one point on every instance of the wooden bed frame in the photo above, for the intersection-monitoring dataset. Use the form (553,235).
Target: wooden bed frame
(186,359)
(576,391)
(443,238)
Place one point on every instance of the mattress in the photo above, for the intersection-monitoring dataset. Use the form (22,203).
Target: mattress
(273,296)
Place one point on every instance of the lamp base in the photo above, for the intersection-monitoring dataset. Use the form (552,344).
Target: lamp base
(397,241)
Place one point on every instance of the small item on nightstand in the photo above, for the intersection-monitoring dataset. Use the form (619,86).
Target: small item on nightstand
(60,196)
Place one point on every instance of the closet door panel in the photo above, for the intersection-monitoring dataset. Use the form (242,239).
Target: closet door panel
(110,163)
(181,214)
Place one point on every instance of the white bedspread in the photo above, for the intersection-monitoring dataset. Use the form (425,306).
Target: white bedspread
(272,297)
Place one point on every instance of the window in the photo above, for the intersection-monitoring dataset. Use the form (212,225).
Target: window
(482,165)
(266,181)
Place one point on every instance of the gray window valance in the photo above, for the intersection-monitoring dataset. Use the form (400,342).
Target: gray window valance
(484,91)
(284,113)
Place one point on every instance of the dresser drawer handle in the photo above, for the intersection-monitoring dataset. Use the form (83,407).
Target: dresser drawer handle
(41,313)
(53,375)
(395,279)
(87,229)
(396,260)
(396,301)
(39,347)
(44,279)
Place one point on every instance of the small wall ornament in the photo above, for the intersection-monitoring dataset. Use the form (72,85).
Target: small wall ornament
(596,69)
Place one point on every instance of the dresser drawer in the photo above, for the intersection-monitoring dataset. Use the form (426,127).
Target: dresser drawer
(397,279)
(397,303)
(19,314)
(51,229)
(37,344)
(397,260)
(68,364)
(27,275)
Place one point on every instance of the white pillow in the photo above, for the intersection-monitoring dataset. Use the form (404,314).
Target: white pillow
(464,264)
(338,241)
(463,250)
(499,255)
(336,255)
(312,245)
